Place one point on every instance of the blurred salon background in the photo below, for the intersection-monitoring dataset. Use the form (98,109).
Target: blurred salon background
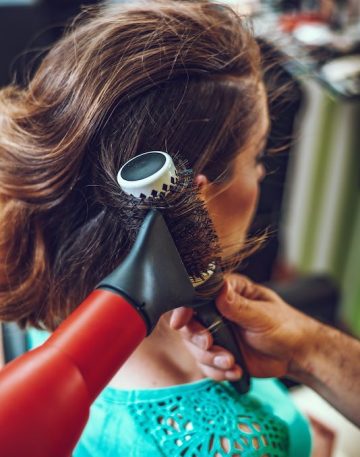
(310,202)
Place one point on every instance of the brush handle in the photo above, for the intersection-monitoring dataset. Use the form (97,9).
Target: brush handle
(224,336)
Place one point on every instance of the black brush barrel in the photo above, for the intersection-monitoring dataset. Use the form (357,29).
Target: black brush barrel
(224,336)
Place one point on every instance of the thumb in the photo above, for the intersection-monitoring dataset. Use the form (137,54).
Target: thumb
(245,312)
(180,317)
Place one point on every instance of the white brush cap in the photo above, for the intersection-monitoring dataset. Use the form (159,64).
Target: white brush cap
(148,175)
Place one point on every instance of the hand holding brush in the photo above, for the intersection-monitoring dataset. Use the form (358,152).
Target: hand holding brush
(152,182)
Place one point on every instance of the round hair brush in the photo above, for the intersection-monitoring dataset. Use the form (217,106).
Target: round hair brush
(152,181)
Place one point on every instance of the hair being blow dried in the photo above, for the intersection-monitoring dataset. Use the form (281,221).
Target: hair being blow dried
(175,76)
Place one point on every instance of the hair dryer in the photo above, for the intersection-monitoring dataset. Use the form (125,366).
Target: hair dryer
(45,395)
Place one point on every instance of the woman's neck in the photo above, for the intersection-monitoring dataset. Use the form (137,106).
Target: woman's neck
(161,360)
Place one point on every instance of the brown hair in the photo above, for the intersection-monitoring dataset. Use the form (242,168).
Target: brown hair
(176,76)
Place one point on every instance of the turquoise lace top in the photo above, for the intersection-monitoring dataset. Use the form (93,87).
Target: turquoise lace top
(199,419)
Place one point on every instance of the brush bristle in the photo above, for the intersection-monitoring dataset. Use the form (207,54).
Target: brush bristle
(187,220)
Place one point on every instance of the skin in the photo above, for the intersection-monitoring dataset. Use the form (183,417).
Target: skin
(278,340)
(232,206)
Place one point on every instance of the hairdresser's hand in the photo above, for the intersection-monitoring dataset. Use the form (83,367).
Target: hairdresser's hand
(276,339)
(271,333)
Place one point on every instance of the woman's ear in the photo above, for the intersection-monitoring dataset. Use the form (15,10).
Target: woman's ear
(201,181)
(203,185)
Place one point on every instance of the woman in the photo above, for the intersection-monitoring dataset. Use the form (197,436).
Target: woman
(177,76)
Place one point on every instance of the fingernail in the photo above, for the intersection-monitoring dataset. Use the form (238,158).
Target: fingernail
(222,361)
(199,340)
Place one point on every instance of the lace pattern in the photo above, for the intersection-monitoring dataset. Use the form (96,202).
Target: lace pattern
(212,422)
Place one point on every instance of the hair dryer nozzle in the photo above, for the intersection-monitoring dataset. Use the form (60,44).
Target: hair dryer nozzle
(153,276)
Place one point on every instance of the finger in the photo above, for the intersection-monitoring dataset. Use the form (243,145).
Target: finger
(249,289)
(247,313)
(180,317)
(238,282)
(216,357)
(197,334)
(219,375)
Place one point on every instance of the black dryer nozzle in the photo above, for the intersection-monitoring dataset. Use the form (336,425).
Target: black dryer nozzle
(152,276)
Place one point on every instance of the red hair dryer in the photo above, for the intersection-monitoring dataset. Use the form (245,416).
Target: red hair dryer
(45,395)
